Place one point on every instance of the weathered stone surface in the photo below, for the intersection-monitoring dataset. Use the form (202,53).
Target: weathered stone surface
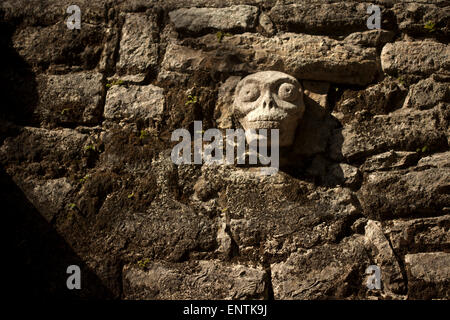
(328,271)
(428,275)
(320,17)
(426,94)
(223,111)
(138,53)
(321,58)
(317,92)
(390,160)
(71,98)
(344,174)
(420,58)
(44,41)
(200,280)
(158,229)
(276,221)
(437,160)
(238,17)
(396,194)
(43,164)
(380,98)
(419,235)
(371,38)
(134,103)
(383,256)
(49,197)
(105,186)
(404,129)
(266,24)
(412,17)
(37,144)
(47,12)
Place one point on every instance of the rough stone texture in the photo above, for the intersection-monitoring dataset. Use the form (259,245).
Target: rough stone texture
(419,235)
(240,17)
(320,17)
(394,194)
(198,280)
(321,58)
(412,17)
(50,196)
(316,93)
(266,24)
(85,144)
(138,52)
(428,274)
(426,94)
(225,99)
(384,257)
(420,58)
(380,98)
(438,160)
(372,38)
(44,41)
(404,129)
(134,103)
(391,160)
(70,98)
(344,174)
(329,271)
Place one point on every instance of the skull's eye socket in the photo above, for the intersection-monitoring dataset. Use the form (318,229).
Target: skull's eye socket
(288,92)
(249,92)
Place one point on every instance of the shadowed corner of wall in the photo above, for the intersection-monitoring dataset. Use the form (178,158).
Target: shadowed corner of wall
(18,87)
(317,147)
(37,257)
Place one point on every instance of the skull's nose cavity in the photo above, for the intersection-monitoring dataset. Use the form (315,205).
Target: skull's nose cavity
(268,102)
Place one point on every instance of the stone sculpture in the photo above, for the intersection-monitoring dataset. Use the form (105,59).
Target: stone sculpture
(270,100)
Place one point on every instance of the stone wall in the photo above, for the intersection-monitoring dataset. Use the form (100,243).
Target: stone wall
(87,176)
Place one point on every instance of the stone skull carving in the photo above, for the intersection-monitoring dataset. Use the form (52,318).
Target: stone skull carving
(270,100)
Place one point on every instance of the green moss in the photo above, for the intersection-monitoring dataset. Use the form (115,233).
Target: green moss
(65,111)
(220,35)
(85,178)
(115,82)
(191,100)
(89,147)
(143,263)
(424,149)
(144,134)
(430,26)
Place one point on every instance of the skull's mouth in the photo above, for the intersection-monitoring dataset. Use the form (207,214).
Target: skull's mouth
(264,124)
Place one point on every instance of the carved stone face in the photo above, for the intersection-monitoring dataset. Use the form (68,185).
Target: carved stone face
(270,100)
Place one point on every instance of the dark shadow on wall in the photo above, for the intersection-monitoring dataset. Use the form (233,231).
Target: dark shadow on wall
(17,81)
(316,151)
(37,256)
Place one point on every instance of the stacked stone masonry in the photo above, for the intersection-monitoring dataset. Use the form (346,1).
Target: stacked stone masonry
(88,114)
